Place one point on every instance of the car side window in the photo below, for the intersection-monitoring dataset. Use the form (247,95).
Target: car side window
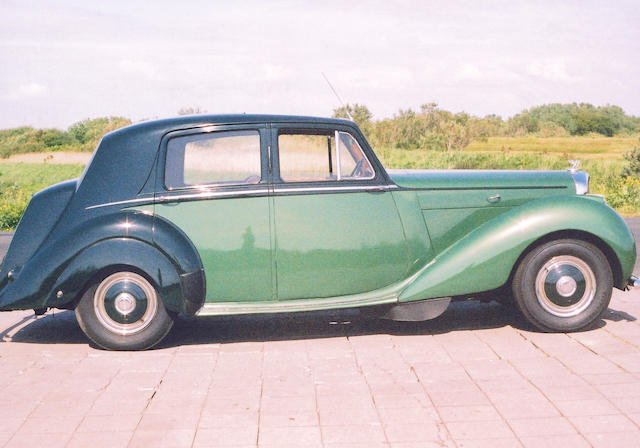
(310,156)
(226,157)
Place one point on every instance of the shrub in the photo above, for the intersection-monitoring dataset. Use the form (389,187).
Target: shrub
(633,166)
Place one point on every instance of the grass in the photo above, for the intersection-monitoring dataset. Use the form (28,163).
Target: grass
(19,181)
(622,193)
(581,147)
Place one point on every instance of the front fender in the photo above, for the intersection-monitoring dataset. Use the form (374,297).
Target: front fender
(484,258)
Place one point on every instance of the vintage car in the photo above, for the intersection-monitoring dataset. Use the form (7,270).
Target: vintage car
(239,214)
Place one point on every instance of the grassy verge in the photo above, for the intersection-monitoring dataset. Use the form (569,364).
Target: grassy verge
(19,181)
(570,147)
(622,193)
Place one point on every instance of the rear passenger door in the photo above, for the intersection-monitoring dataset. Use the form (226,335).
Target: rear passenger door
(214,187)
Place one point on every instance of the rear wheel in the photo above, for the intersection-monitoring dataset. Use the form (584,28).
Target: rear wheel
(123,312)
(563,285)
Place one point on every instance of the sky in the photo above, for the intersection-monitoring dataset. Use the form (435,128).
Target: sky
(68,60)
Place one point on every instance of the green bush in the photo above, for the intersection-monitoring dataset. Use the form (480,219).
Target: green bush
(621,193)
(13,202)
(19,181)
(82,136)
(633,163)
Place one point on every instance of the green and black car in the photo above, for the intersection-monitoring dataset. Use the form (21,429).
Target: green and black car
(240,214)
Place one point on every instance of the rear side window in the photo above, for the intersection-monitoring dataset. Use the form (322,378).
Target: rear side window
(226,157)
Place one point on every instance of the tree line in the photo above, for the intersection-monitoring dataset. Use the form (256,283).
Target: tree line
(435,128)
(81,136)
(430,127)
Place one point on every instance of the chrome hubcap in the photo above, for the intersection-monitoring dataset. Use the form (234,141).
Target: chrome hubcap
(125,303)
(565,286)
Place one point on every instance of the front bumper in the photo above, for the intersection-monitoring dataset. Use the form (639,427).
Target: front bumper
(634,283)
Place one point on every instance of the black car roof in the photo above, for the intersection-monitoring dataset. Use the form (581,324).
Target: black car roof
(122,163)
(167,124)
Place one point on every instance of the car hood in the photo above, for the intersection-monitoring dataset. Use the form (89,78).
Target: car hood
(480,179)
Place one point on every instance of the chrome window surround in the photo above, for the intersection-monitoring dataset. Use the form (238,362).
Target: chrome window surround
(339,177)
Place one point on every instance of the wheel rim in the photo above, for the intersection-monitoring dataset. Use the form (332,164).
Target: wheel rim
(125,303)
(565,286)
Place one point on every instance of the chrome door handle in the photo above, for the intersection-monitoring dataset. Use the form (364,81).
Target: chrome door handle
(494,198)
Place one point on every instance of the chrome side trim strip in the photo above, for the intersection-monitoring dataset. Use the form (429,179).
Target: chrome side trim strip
(222,308)
(336,189)
(129,201)
(210,194)
(222,194)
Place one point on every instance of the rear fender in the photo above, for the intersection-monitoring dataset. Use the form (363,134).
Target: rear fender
(484,259)
(117,254)
(59,272)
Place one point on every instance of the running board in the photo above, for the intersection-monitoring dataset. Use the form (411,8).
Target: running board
(296,305)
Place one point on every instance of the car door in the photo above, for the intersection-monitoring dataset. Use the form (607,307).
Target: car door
(337,229)
(214,187)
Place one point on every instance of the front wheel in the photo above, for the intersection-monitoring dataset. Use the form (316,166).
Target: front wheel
(563,285)
(123,312)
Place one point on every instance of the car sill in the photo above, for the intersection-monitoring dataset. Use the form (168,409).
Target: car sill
(227,308)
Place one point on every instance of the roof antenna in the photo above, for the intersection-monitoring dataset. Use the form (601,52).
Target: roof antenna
(346,109)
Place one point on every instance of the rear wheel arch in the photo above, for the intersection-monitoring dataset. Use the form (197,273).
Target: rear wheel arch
(122,310)
(103,258)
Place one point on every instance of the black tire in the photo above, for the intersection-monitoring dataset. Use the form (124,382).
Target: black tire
(563,285)
(123,312)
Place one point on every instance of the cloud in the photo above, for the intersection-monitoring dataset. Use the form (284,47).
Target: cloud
(554,70)
(31,90)
(138,68)
(468,72)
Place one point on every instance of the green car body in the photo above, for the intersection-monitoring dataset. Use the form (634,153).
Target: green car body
(293,235)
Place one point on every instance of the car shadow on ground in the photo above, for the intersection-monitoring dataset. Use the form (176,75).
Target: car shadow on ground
(61,327)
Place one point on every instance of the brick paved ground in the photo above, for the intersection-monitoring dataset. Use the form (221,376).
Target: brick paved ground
(478,376)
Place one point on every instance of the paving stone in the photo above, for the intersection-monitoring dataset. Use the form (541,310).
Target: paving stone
(370,434)
(488,429)
(226,436)
(291,418)
(535,427)
(300,381)
(403,432)
(38,439)
(290,436)
(100,439)
(468,413)
(628,439)
(556,441)
(579,408)
(597,424)
(503,442)
(162,438)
